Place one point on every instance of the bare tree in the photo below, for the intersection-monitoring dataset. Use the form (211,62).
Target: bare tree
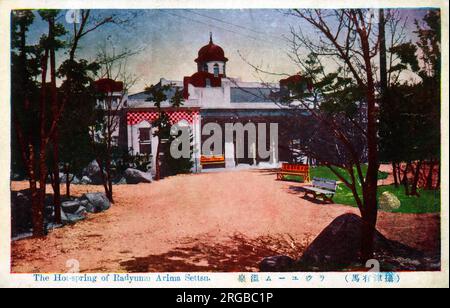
(342,68)
(113,86)
(84,22)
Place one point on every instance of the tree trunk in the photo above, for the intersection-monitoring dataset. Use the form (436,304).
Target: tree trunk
(370,188)
(158,167)
(108,181)
(67,171)
(399,173)
(54,109)
(416,178)
(56,182)
(429,184)
(438,184)
(39,227)
(37,216)
(104,179)
(369,217)
(109,193)
(39,200)
(394,172)
(405,180)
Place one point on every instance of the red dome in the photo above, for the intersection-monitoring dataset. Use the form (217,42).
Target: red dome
(211,52)
(107,85)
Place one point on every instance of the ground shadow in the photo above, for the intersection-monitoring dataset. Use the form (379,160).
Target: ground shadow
(298,190)
(238,253)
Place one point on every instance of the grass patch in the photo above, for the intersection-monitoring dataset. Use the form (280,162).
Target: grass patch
(326,173)
(428,202)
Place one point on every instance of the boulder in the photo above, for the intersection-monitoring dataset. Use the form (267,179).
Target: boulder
(20,212)
(92,171)
(277,264)
(122,181)
(71,207)
(72,178)
(63,177)
(338,247)
(134,176)
(389,202)
(95,202)
(79,215)
(85,180)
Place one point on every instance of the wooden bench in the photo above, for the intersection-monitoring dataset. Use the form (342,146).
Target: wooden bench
(324,188)
(294,170)
(208,160)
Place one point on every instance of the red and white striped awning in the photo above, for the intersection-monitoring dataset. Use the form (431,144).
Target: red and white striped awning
(136,117)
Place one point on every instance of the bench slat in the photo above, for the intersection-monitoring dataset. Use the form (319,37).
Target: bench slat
(295,170)
(292,172)
(324,184)
(321,191)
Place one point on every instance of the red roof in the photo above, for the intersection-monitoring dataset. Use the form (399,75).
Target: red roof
(295,79)
(211,52)
(107,85)
(199,80)
(291,80)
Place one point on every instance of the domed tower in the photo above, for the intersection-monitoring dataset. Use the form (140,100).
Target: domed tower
(211,59)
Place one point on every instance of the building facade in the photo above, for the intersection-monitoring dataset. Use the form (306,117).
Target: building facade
(210,96)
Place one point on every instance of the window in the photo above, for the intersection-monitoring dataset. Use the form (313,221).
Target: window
(145,149)
(208,82)
(216,70)
(144,134)
(145,144)
(205,67)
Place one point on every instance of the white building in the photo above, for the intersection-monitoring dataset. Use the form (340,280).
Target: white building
(210,95)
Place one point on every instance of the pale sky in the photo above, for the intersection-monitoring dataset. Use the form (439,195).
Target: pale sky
(168,40)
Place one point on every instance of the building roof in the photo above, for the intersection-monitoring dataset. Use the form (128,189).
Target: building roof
(211,52)
(295,80)
(107,85)
(143,96)
(251,95)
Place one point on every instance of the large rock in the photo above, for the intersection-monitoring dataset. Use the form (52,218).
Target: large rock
(71,207)
(95,202)
(63,177)
(134,176)
(72,178)
(70,218)
(338,247)
(277,264)
(122,181)
(20,212)
(92,171)
(389,202)
(86,180)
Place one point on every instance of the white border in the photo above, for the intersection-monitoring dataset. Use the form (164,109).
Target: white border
(218,279)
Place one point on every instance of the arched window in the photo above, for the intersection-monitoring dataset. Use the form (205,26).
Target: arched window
(216,70)
(205,67)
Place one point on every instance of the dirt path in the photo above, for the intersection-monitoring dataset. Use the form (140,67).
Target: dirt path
(206,222)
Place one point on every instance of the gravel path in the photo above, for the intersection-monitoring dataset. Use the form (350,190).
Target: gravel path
(206,222)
